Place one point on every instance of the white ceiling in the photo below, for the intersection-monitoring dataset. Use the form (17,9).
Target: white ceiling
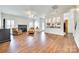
(40,10)
(60,9)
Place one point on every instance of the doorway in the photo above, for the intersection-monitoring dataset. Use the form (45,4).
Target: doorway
(43,26)
(66,26)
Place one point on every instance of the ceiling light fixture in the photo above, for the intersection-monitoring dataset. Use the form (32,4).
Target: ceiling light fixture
(54,7)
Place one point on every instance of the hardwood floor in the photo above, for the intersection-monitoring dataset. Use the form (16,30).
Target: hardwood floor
(39,43)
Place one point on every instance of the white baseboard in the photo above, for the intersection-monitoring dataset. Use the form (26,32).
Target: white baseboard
(57,33)
(76,38)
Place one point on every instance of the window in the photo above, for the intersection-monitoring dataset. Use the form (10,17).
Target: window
(9,24)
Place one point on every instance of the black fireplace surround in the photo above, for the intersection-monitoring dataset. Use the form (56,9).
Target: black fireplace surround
(23,28)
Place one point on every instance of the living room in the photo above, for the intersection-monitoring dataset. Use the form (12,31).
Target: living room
(39,28)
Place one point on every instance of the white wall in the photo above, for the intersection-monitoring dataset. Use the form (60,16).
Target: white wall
(70,16)
(30,24)
(36,22)
(74,15)
(58,31)
(41,21)
(0,21)
(76,33)
(21,21)
(17,20)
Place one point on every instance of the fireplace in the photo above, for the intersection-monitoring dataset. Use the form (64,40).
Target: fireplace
(23,28)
